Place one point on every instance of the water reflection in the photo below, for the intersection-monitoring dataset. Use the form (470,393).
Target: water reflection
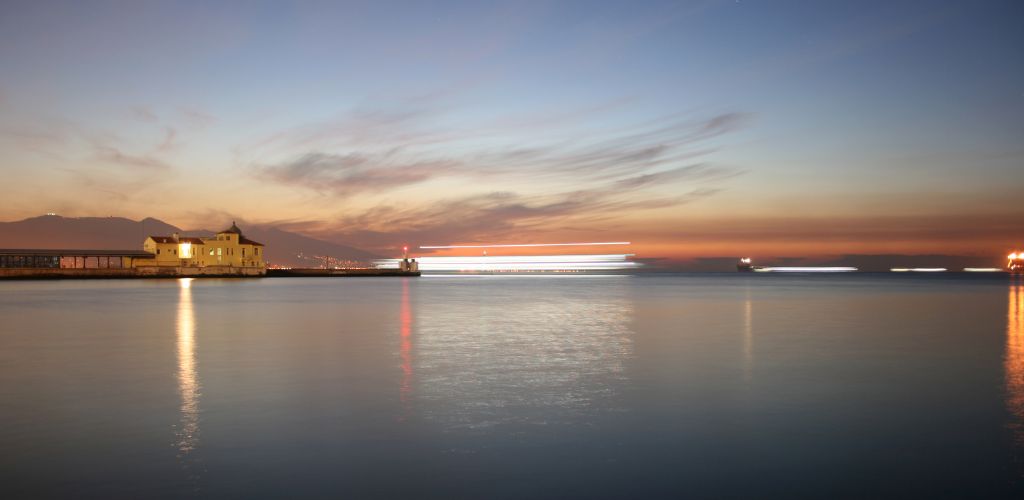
(554,356)
(405,346)
(748,337)
(1015,359)
(187,436)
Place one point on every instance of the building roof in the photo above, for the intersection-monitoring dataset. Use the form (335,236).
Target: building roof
(181,239)
(233,229)
(241,238)
(72,253)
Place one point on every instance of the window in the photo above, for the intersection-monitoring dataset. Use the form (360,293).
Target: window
(218,252)
(158,251)
(211,251)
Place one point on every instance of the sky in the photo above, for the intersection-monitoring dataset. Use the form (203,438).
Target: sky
(693,129)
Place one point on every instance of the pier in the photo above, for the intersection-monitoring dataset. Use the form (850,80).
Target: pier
(337,273)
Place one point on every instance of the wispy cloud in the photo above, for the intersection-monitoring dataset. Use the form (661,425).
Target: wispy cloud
(113,155)
(580,177)
(378,151)
(489,216)
(353,173)
(197,118)
(170,141)
(143,114)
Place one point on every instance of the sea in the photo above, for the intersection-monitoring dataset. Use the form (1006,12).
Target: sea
(496,386)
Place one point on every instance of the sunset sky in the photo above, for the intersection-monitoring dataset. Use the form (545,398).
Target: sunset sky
(719,128)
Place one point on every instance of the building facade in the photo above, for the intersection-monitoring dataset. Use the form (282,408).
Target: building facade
(229,251)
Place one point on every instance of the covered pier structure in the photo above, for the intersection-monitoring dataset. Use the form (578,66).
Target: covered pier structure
(20,262)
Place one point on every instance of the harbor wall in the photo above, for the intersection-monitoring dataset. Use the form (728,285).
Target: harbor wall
(158,271)
(327,273)
(135,272)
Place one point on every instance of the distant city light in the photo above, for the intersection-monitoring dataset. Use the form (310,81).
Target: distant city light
(806,269)
(521,245)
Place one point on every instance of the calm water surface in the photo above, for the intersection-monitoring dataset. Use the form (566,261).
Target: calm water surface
(861,386)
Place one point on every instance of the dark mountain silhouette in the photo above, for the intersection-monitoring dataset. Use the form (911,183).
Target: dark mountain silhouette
(94,233)
(283,248)
(295,250)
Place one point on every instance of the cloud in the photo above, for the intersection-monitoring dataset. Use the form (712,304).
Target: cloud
(582,178)
(110,154)
(144,114)
(699,172)
(493,216)
(196,118)
(387,150)
(170,140)
(353,173)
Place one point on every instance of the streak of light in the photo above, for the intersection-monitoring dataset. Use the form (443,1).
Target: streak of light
(521,245)
(806,269)
(519,263)
(982,269)
(188,380)
(918,269)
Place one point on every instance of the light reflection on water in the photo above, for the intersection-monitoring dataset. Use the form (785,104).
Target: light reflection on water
(1015,359)
(187,435)
(527,361)
(748,336)
(514,387)
(405,348)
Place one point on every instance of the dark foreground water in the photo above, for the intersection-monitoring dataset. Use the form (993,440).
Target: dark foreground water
(695,386)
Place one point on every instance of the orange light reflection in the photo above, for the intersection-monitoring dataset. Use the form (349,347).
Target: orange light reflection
(405,346)
(1014,363)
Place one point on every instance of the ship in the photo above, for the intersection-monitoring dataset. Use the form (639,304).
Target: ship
(745,266)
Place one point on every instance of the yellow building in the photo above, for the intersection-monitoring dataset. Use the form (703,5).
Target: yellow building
(229,252)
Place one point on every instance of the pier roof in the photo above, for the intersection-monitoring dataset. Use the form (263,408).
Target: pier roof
(181,239)
(73,252)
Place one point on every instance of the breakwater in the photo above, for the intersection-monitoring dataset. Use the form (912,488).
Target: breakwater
(337,273)
(151,272)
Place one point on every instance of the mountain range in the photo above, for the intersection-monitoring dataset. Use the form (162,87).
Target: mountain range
(283,248)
